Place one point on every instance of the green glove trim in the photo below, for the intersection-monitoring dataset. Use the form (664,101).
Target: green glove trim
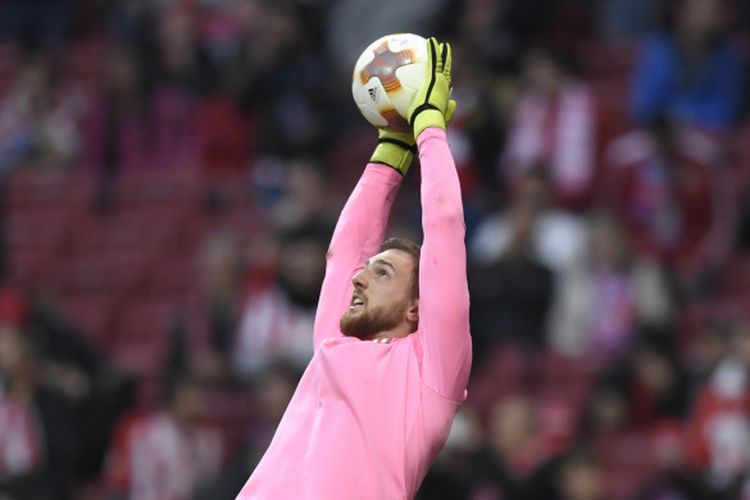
(395,153)
(430,106)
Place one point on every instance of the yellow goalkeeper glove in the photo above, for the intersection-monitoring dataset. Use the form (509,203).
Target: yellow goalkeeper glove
(395,149)
(432,106)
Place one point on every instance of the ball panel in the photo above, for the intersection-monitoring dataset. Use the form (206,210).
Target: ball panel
(394,121)
(358,93)
(411,78)
(370,99)
(364,59)
(405,41)
(412,75)
(373,116)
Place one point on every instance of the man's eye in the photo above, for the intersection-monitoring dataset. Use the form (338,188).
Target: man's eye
(382,272)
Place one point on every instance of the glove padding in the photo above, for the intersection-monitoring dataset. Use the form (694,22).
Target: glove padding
(395,149)
(432,106)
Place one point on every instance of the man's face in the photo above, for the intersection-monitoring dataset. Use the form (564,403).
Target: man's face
(382,298)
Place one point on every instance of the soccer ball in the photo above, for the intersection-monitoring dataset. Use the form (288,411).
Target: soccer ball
(386,78)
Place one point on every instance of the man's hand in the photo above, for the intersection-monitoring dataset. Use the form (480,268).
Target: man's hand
(432,106)
(395,149)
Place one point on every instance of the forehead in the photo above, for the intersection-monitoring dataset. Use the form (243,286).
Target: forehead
(397,258)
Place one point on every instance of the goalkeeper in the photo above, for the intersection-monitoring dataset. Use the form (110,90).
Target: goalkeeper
(392,344)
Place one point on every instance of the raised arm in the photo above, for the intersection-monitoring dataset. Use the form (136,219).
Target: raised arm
(358,235)
(444,294)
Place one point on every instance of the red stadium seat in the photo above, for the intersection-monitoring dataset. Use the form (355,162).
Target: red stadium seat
(567,377)
(31,269)
(113,273)
(144,359)
(141,336)
(141,322)
(167,187)
(176,276)
(44,230)
(153,233)
(56,190)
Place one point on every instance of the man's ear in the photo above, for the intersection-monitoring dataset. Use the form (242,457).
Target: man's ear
(412,314)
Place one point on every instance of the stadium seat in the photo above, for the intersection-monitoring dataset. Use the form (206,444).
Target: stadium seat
(43,230)
(175,276)
(167,187)
(57,189)
(114,273)
(31,269)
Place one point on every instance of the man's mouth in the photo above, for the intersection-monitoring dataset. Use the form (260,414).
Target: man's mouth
(356,302)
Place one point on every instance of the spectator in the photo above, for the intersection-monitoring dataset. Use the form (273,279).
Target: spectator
(690,71)
(277,320)
(93,394)
(40,118)
(279,76)
(556,238)
(38,435)
(140,122)
(652,382)
(167,454)
(184,73)
(306,191)
(603,299)
(202,338)
(671,478)
(718,442)
(670,188)
(554,128)
(707,345)
(515,462)
(271,395)
(512,294)
(581,477)
(224,276)
(21,440)
(183,63)
(120,133)
(451,475)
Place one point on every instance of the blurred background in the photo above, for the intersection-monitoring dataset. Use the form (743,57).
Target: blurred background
(170,172)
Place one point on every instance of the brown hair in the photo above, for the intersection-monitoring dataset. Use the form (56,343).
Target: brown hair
(412,249)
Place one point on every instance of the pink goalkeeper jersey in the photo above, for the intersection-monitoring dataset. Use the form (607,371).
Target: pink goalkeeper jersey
(368,417)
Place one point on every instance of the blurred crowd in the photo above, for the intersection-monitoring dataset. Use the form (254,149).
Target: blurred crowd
(170,173)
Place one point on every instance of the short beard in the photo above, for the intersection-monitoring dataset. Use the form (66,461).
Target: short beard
(366,324)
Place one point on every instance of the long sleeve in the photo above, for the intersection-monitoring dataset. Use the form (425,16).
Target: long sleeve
(357,237)
(444,293)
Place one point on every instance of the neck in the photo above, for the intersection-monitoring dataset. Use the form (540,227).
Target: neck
(401,330)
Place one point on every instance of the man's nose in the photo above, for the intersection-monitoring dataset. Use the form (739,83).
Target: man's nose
(360,280)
